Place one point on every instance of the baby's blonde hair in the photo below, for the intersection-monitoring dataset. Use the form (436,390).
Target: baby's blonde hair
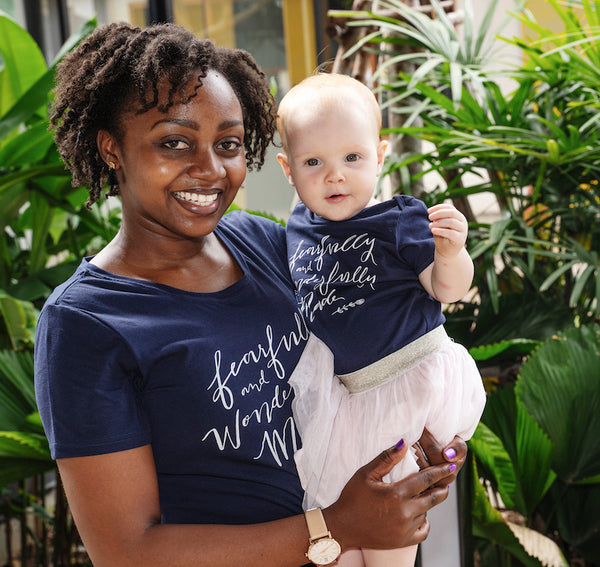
(322,91)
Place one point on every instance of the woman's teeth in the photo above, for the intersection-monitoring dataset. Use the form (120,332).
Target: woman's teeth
(197,198)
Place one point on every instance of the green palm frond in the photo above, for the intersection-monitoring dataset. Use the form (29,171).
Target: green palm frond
(559,387)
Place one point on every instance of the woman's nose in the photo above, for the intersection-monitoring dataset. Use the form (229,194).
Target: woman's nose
(207,164)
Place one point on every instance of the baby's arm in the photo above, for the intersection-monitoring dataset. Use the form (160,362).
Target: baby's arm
(449,276)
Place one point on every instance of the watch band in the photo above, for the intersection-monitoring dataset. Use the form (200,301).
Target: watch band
(317,528)
(322,548)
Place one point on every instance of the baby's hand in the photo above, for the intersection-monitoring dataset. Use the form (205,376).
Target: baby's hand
(449,228)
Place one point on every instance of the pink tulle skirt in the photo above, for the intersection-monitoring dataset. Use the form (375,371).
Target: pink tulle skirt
(437,387)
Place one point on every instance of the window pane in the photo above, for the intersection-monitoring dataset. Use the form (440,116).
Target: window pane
(133,11)
(255,26)
(15,9)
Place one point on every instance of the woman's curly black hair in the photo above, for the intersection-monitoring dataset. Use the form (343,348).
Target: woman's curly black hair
(118,68)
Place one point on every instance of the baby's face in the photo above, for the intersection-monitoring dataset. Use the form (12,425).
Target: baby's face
(334,159)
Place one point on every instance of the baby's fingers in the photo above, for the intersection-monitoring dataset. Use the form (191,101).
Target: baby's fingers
(444,210)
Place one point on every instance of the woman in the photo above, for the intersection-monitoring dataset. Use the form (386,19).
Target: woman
(162,363)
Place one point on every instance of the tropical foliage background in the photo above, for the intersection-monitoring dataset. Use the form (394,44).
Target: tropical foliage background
(532,322)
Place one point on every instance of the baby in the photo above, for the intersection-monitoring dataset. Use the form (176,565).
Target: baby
(370,278)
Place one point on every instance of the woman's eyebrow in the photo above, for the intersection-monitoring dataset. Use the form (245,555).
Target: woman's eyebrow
(194,125)
(180,121)
(230,124)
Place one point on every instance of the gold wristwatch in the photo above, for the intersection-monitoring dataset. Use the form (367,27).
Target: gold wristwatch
(322,548)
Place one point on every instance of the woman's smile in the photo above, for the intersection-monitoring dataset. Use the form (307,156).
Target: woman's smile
(194,199)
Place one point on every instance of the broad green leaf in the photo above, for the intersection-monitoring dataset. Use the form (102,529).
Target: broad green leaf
(17,369)
(28,147)
(18,109)
(487,352)
(528,449)
(34,421)
(41,221)
(19,319)
(12,199)
(580,284)
(590,480)
(577,518)
(13,469)
(24,445)
(27,104)
(17,46)
(23,455)
(494,462)
(532,460)
(7,181)
(17,397)
(489,524)
(559,385)
(30,288)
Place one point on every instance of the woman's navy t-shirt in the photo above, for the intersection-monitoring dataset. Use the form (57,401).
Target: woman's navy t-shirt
(203,377)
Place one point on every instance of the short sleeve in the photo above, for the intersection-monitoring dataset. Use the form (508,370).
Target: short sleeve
(413,235)
(86,385)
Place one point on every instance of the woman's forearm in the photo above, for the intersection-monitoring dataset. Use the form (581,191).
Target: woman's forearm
(281,543)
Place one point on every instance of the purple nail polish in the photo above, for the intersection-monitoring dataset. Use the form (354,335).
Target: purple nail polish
(452,467)
(450,453)
(400,444)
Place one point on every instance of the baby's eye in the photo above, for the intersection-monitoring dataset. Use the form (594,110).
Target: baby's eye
(176,145)
(352,157)
(312,162)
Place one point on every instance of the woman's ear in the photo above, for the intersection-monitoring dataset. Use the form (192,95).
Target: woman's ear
(108,149)
(283,160)
(381,149)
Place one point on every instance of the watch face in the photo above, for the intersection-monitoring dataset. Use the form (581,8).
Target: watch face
(324,551)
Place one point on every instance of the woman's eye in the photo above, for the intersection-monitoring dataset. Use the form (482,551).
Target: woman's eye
(176,145)
(312,162)
(352,157)
(230,145)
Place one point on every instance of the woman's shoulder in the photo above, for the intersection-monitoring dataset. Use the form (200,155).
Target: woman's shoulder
(96,292)
(252,228)
(240,220)
(70,285)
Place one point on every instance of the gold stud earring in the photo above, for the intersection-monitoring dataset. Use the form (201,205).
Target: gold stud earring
(112,178)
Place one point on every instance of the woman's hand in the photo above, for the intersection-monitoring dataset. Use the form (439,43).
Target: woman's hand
(379,515)
(429,452)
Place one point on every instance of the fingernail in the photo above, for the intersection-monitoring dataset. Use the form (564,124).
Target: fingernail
(452,467)
(400,444)
(450,453)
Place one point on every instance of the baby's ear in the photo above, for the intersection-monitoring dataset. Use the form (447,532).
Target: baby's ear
(285,166)
(381,149)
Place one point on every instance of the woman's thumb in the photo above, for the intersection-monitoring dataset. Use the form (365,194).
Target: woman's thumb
(383,463)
